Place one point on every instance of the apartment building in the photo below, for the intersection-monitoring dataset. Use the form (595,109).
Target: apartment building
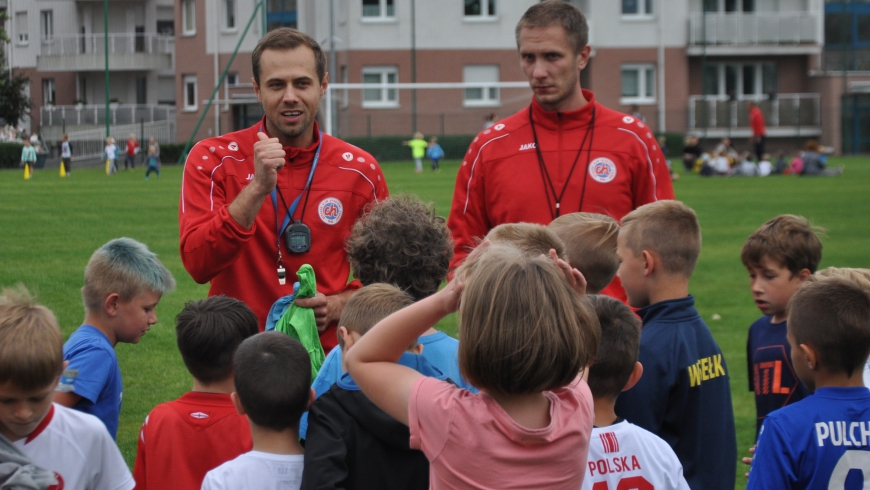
(61,46)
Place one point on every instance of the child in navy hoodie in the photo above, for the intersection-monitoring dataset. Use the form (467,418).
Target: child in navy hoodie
(351,443)
(684,396)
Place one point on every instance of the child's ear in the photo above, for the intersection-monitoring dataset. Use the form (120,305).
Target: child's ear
(812,356)
(804,274)
(636,373)
(110,304)
(237,403)
(346,338)
(417,349)
(649,262)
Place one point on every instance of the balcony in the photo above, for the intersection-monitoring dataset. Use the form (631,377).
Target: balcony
(788,115)
(95,115)
(753,33)
(127,52)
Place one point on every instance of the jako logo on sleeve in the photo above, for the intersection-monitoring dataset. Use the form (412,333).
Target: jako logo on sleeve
(330,210)
(602,170)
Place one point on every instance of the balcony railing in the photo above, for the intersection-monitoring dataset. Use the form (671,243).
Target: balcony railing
(96,114)
(754,28)
(94,44)
(789,112)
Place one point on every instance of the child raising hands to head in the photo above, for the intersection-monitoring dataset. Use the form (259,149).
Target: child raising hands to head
(525,336)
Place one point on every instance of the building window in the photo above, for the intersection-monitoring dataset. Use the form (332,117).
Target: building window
(378,9)
(282,13)
(382,97)
(740,80)
(638,84)
(190,93)
(48,91)
(729,6)
(637,8)
(480,8)
(232,79)
(188,17)
(229,14)
(483,95)
(21,28)
(46,25)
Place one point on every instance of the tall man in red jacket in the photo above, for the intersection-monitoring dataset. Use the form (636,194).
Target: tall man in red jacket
(759,131)
(564,153)
(258,203)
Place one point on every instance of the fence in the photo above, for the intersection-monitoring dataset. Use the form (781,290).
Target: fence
(90,144)
(738,28)
(96,114)
(786,111)
(94,44)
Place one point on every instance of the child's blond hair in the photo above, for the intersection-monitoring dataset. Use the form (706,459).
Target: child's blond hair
(859,276)
(670,229)
(590,245)
(126,267)
(524,330)
(371,304)
(529,238)
(31,345)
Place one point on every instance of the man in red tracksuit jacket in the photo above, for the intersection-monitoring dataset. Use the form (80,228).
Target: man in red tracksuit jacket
(564,153)
(229,216)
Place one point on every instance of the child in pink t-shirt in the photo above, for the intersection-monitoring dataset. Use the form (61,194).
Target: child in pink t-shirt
(525,335)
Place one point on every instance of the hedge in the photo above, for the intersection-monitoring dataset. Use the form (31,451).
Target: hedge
(170,153)
(10,154)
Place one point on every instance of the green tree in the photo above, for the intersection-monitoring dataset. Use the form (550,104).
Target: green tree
(14,104)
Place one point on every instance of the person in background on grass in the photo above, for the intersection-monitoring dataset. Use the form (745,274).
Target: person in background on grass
(759,132)
(814,164)
(434,152)
(684,396)
(765,167)
(418,150)
(653,464)
(822,441)
(692,154)
(272,374)
(153,142)
(530,425)
(153,162)
(131,151)
(75,446)
(28,156)
(124,281)
(183,440)
(111,152)
(66,154)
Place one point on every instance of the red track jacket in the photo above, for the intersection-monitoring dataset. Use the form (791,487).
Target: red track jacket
(242,263)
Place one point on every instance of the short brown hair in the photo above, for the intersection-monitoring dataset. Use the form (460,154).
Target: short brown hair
(371,304)
(668,228)
(618,349)
(529,238)
(286,38)
(590,244)
(126,267)
(401,241)
(272,373)
(557,12)
(523,329)
(208,333)
(859,276)
(833,316)
(31,345)
(787,239)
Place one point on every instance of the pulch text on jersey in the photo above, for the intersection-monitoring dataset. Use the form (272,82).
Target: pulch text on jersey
(843,433)
(705,369)
(613,465)
(527,146)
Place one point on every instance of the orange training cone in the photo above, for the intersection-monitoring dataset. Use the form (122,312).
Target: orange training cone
(26,171)
(62,170)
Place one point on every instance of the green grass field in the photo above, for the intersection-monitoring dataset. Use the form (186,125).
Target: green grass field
(50,226)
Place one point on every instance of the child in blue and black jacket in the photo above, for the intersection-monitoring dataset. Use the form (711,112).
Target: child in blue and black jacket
(684,396)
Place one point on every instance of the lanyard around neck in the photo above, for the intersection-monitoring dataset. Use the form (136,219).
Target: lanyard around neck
(292,210)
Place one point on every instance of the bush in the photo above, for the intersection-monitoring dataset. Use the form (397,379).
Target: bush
(390,148)
(675,143)
(170,153)
(10,154)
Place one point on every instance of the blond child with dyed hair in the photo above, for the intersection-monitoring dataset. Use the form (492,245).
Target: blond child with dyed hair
(590,244)
(526,335)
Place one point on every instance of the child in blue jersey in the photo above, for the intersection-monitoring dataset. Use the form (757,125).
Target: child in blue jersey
(822,441)
(779,256)
(399,241)
(684,396)
(124,281)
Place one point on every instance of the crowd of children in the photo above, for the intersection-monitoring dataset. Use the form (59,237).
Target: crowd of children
(549,385)
(725,161)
